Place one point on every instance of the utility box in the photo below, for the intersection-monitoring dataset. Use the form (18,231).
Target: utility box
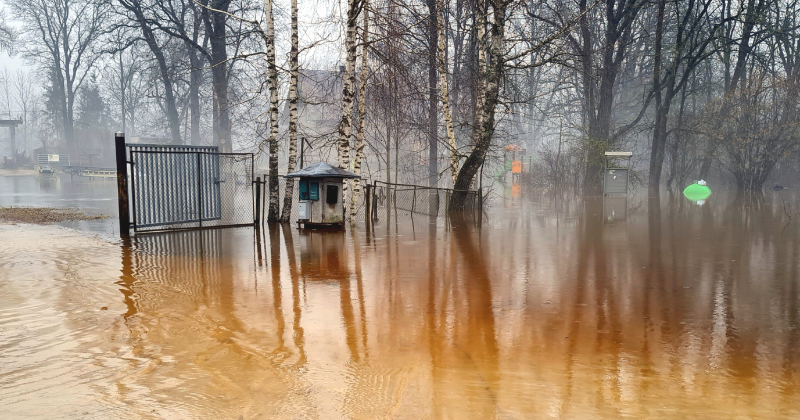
(320,191)
(615,173)
(304,210)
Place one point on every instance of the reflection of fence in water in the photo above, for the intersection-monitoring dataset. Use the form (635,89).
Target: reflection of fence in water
(189,261)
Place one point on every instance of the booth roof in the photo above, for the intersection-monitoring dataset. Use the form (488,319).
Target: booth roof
(322,170)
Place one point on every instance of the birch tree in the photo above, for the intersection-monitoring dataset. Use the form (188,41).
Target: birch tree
(272,76)
(354,8)
(294,69)
(445,91)
(362,112)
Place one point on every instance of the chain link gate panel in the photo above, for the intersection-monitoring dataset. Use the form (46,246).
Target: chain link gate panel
(184,187)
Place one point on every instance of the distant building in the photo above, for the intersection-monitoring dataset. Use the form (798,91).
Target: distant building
(319,102)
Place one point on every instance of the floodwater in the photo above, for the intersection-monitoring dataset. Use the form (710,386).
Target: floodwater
(658,309)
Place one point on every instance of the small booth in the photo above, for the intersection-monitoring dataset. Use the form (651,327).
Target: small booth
(615,173)
(320,193)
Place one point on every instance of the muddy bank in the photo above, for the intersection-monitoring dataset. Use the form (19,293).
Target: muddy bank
(44,215)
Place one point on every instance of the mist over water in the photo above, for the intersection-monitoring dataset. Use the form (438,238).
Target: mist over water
(550,310)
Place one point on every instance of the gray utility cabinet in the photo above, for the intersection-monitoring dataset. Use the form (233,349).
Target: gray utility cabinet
(616,181)
(615,173)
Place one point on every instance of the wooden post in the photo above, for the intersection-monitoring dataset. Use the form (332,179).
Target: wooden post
(257,216)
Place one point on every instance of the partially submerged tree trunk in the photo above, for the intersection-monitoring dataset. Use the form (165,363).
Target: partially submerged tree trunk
(433,102)
(483,132)
(288,193)
(445,91)
(272,75)
(348,82)
(362,113)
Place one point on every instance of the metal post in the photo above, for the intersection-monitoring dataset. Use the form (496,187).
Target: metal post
(199,192)
(374,200)
(302,150)
(122,185)
(257,219)
(13,145)
(413,201)
(367,204)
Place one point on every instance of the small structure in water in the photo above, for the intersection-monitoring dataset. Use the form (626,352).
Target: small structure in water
(615,173)
(320,191)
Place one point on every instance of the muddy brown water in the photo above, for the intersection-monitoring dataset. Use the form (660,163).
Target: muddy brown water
(545,311)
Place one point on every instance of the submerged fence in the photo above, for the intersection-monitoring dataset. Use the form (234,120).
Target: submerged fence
(175,187)
(381,200)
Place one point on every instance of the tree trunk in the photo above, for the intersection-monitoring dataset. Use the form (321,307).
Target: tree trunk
(752,15)
(348,94)
(433,102)
(195,79)
(660,126)
(288,193)
(216,25)
(272,74)
(362,113)
(445,91)
(483,133)
(166,78)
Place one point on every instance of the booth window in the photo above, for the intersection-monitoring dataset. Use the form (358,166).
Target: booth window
(332,194)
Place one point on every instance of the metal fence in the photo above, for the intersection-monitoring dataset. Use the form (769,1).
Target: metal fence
(403,200)
(385,201)
(185,187)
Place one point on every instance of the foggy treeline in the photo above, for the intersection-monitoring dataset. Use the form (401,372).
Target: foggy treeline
(420,92)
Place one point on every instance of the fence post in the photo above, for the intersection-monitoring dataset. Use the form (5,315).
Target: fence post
(199,191)
(122,185)
(374,209)
(414,200)
(367,204)
(257,216)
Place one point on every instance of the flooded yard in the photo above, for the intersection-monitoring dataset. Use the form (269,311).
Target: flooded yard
(672,311)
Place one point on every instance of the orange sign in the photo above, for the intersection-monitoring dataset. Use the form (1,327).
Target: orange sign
(516,167)
(516,190)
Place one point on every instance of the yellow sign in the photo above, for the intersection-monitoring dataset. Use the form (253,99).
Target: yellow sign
(52,158)
(516,167)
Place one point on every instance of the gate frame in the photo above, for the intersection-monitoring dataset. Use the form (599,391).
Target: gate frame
(126,192)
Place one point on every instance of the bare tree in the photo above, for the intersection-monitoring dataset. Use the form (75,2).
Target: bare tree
(61,36)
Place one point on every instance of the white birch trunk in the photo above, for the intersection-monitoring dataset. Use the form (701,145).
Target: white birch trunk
(272,75)
(362,96)
(345,124)
(445,91)
(288,193)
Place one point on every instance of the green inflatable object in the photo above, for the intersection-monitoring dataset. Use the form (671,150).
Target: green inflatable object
(697,192)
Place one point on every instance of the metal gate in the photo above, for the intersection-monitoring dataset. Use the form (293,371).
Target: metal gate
(185,187)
